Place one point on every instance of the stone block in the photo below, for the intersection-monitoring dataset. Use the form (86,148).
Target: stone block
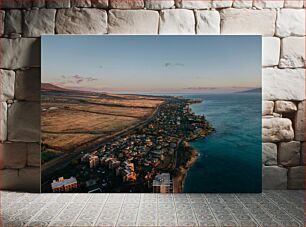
(248,21)
(221,3)
(289,154)
(159,4)
(267,108)
(7,85)
(283,84)
(274,177)
(192,4)
(3,121)
(13,21)
(208,22)
(293,4)
(303,160)
(25,180)
(270,51)
(81,21)
(242,4)
(290,22)
(15,4)
(133,22)
(24,122)
(80,3)
(269,154)
(9,179)
(20,53)
(33,154)
(299,122)
(126,4)
(27,85)
(178,21)
(13,155)
(39,3)
(296,178)
(285,107)
(56,4)
(262,4)
(277,115)
(2,15)
(277,130)
(103,4)
(39,22)
(293,52)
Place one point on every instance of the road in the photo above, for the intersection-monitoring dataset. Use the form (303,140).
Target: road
(62,161)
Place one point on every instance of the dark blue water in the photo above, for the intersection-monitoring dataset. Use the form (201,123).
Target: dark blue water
(230,158)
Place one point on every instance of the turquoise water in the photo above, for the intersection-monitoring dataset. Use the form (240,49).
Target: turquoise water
(230,158)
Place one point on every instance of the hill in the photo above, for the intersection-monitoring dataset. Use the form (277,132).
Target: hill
(51,87)
(255,90)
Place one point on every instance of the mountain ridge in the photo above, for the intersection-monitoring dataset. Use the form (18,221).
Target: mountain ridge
(52,87)
(254,90)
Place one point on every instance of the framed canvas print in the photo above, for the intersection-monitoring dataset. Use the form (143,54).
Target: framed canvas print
(151,114)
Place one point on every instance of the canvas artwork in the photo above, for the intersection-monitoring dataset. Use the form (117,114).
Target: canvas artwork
(151,114)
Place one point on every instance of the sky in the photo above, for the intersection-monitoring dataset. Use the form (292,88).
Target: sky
(152,63)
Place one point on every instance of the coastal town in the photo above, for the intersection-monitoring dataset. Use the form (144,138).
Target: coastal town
(146,159)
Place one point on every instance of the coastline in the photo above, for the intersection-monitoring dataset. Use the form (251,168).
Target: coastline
(180,176)
(185,155)
(178,180)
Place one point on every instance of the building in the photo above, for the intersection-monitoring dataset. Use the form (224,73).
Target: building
(93,161)
(156,153)
(113,164)
(128,172)
(64,185)
(162,183)
(129,176)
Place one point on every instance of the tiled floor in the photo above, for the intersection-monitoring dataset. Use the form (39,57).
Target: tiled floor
(271,208)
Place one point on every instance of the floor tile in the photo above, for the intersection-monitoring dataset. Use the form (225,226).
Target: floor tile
(271,208)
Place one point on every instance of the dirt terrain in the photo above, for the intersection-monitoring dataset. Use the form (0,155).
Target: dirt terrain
(73,118)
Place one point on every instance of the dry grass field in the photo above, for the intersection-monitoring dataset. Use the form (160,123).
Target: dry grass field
(72,118)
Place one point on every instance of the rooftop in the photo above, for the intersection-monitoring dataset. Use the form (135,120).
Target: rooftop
(62,182)
(162,179)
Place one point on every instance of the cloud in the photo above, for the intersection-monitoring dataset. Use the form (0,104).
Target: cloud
(76,79)
(175,64)
(79,81)
(89,79)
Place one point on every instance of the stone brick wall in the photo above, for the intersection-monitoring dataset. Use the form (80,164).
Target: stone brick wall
(281,22)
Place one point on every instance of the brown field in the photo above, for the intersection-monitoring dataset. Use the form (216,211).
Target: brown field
(71,118)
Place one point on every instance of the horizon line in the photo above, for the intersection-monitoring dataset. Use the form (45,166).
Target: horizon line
(169,90)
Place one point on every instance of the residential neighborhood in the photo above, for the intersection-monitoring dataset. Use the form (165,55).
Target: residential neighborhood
(136,158)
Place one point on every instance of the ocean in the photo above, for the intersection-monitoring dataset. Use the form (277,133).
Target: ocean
(230,158)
